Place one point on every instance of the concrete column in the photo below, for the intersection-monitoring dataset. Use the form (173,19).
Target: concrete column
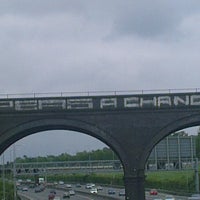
(134,186)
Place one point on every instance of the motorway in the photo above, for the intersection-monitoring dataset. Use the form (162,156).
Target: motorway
(84,194)
(80,193)
(44,195)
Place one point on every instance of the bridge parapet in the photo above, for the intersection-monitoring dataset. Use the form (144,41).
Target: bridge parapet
(111,102)
(96,93)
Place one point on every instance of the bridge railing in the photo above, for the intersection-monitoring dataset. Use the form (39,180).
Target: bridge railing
(96,93)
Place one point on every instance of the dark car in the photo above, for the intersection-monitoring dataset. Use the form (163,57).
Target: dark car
(122,193)
(38,189)
(52,192)
(25,189)
(111,191)
(78,185)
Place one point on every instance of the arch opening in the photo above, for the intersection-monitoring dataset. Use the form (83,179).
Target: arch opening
(33,127)
(175,156)
(83,141)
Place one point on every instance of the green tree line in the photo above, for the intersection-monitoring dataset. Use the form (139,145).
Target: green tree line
(100,154)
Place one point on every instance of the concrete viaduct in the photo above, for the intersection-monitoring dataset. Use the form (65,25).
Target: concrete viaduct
(130,124)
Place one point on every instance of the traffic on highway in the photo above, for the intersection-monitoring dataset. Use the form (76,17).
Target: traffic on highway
(89,191)
(75,191)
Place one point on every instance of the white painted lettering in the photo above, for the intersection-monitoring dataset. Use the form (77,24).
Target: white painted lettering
(51,103)
(148,102)
(80,103)
(181,100)
(164,100)
(108,103)
(26,105)
(131,102)
(195,100)
(6,104)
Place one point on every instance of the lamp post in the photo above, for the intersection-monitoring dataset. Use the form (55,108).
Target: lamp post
(196,176)
(14,171)
(3,178)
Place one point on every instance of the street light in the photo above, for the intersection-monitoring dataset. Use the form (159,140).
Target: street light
(196,176)
(3,177)
(14,172)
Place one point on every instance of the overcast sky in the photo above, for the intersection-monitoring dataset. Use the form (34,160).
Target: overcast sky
(92,45)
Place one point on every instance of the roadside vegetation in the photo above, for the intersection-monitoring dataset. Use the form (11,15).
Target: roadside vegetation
(9,190)
(176,181)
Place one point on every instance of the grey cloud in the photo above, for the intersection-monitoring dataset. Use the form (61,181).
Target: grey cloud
(57,50)
(153,18)
(38,8)
(143,18)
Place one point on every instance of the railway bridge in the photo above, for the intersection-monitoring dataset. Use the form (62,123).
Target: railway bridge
(131,124)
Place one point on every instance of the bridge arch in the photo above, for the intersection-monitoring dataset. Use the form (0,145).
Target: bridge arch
(33,127)
(172,127)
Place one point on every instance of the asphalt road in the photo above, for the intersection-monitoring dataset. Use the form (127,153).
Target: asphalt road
(84,194)
(44,195)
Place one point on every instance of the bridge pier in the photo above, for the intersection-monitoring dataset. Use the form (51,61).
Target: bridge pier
(134,186)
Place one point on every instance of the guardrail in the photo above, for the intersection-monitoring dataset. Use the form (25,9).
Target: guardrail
(96,93)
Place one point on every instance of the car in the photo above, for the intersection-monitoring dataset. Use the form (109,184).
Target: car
(52,191)
(93,190)
(31,185)
(99,188)
(71,192)
(25,189)
(111,191)
(28,180)
(51,196)
(78,185)
(153,192)
(68,186)
(169,197)
(66,195)
(19,187)
(89,185)
(61,183)
(122,193)
(37,189)
(42,187)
